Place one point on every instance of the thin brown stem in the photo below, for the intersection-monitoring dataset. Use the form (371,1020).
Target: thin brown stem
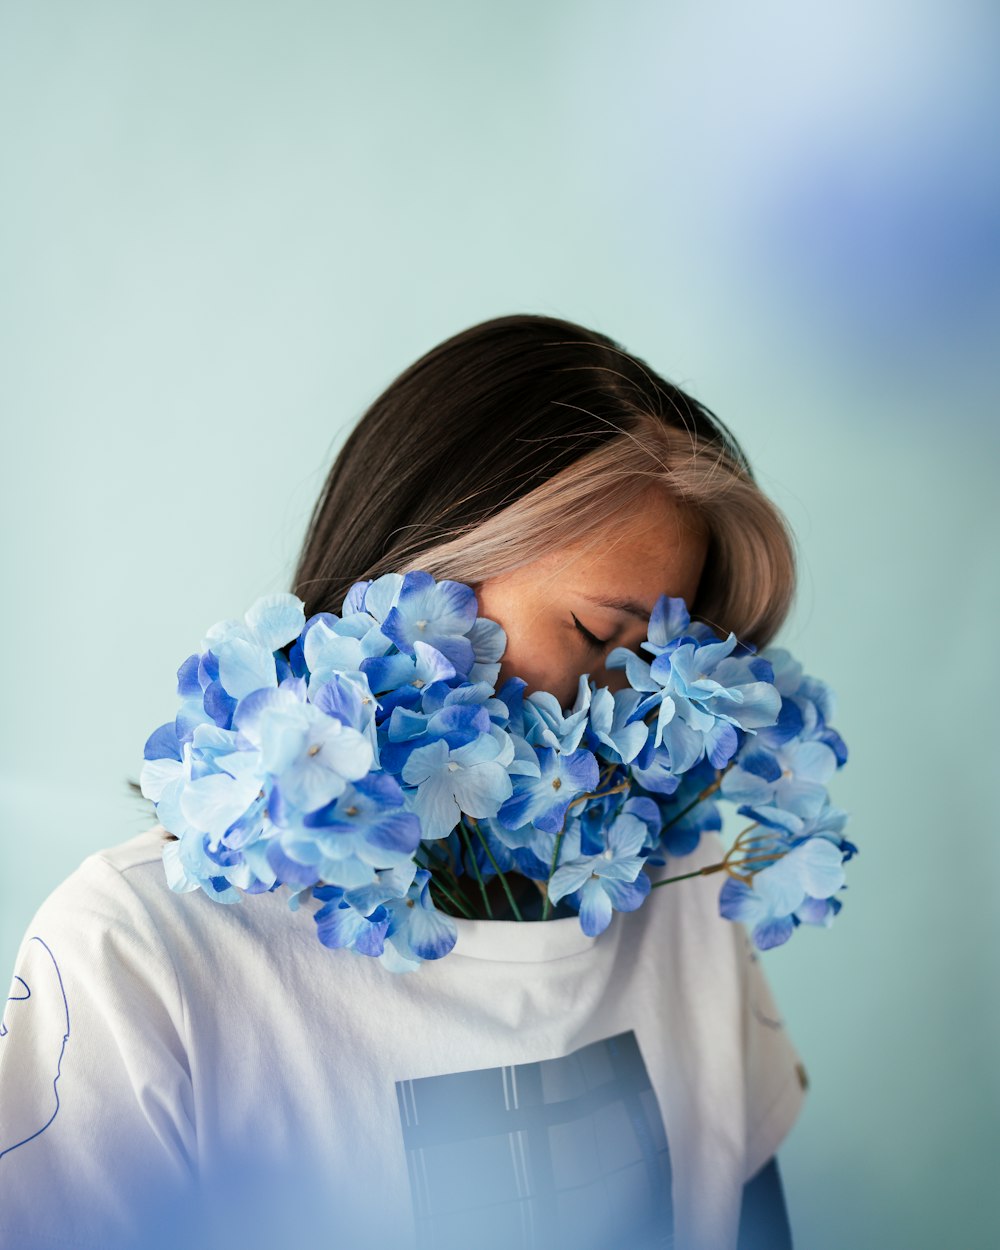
(710,789)
(580,798)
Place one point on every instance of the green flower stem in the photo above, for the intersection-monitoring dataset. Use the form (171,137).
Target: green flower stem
(547,905)
(449,857)
(442,864)
(464,833)
(455,902)
(453,892)
(496,868)
(698,872)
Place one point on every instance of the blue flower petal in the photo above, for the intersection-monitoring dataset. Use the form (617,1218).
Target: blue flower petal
(772,932)
(163,744)
(245,666)
(275,620)
(430,933)
(339,925)
(627,895)
(188,684)
(570,877)
(595,908)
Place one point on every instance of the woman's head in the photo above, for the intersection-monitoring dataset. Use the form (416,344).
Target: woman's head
(565,611)
(542,464)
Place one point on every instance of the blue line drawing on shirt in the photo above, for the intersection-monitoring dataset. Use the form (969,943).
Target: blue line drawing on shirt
(5,1150)
(15,998)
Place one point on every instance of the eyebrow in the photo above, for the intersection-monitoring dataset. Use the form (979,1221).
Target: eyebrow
(623,605)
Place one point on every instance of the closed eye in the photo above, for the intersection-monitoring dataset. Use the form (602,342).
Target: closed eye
(591,638)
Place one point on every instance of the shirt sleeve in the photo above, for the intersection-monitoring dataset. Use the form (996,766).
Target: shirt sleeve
(96,1120)
(776,1080)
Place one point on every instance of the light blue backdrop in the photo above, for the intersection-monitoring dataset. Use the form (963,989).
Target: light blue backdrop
(226,227)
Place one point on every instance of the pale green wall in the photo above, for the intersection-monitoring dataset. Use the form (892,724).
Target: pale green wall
(226,226)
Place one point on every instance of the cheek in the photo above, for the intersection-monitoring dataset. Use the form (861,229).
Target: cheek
(536,645)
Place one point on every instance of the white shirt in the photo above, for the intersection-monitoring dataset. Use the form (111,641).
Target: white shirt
(534,1087)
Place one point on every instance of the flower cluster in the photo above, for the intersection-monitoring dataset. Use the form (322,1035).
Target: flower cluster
(369,762)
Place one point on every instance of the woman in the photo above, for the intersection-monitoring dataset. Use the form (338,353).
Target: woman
(537,1086)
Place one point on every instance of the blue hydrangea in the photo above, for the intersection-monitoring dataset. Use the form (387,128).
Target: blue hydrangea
(611,879)
(446,781)
(365,762)
(792,777)
(543,798)
(438,614)
(245,649)
(808,871)
(702,694)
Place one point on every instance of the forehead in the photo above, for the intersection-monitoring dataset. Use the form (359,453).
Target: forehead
(656,547)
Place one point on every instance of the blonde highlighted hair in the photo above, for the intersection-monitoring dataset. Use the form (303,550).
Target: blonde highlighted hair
(527,434)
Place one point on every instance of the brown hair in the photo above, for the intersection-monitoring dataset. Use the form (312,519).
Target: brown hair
(522,434)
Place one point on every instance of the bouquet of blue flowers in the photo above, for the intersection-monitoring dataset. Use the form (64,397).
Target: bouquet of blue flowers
(368,761)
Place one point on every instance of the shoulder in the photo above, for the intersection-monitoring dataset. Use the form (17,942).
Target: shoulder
(108,883)
(96,925)
(139,852)
(117,913)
